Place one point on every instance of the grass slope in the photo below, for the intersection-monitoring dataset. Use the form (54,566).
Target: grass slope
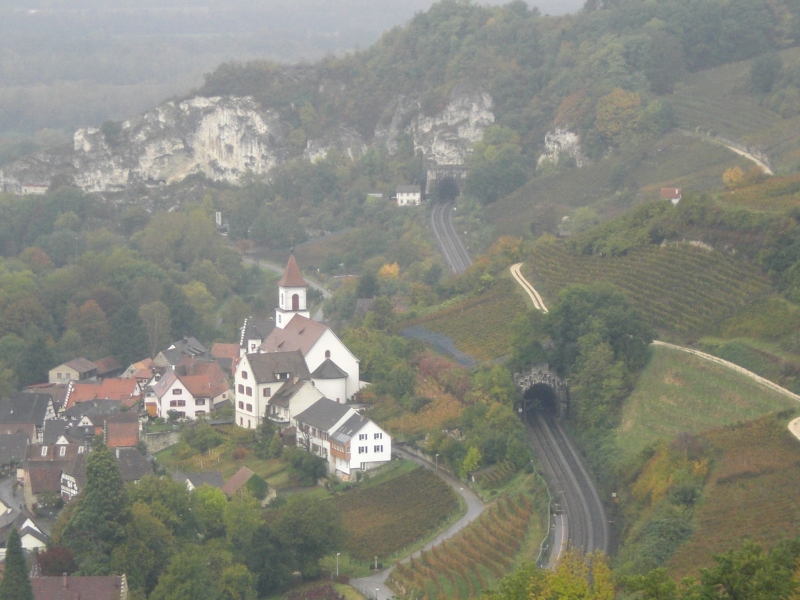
(480,326)
(388,517)
(678,392)
(681,289)
(752,492)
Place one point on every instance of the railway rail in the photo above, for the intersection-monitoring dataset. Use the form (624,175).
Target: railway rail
(453,249)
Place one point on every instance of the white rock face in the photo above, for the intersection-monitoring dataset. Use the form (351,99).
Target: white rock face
(225,137)
(560,141)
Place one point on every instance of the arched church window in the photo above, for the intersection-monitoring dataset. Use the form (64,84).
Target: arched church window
(327,353)
(296,302)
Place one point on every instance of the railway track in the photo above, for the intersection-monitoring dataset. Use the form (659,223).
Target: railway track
(583,522)
(455,254)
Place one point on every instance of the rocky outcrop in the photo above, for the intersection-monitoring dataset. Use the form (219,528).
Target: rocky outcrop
(225,137)
(559,143)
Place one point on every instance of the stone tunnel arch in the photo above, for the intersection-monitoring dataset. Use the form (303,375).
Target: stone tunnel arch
(543,389)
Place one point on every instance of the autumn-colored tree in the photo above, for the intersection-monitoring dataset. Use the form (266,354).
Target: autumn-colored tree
(733,178)
(389,271)
(617,114)
(36,259)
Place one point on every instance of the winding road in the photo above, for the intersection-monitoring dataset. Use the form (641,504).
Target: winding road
(374,586)
(455,254)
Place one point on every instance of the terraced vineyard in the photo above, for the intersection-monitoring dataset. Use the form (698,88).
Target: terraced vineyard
(480,326)
(472,561)
(383,519)
(496,475)
(681,289)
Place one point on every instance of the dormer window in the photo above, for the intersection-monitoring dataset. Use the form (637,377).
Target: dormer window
(62,451)
(44,450)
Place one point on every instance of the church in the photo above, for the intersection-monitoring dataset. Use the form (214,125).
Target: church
(329,365)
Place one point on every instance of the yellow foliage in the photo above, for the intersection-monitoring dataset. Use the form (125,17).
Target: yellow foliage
(617,112)
(733,178)
(389,271)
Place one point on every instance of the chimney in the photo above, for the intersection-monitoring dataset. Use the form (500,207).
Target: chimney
(64,581)
(117,453)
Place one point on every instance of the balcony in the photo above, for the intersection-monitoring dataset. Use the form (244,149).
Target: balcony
(278,419)
(340,454)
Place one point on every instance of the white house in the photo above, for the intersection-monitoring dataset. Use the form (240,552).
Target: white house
(345,439)
(292,290)
(290,400)
(318,343)
(258,376)
(408,195)
(172,394)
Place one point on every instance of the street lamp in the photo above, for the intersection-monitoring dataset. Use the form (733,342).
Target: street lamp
(377,593)
(337,563)
(437,461)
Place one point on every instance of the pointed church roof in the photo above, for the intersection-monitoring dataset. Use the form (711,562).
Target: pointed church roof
(292,276)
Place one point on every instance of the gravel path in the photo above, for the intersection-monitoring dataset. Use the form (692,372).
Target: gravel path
(374,586)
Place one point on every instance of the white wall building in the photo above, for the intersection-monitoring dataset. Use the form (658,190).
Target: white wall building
(292,290)
(408,195)
(345,439)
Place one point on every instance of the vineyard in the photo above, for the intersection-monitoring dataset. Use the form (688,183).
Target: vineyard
(496,476)
(680,288)
(472,561)
(480,326)
(751,493)
(388,517)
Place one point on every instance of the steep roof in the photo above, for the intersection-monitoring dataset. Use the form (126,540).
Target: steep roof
(328,370)
(93,408)
(203,378)
(189,345)
(13,447)
(57,391)
(256,329)
(266,367)
(349,429)
(132,465)
(107,365)
(126,390)
(44,477)
(323,414)
(122,430)
(670,193)
(212,478)
(291,275)
(286,392)
(78,588)
(81,365)
(301,333)
(241,477)
(24,407)
(162,385)
(220,350)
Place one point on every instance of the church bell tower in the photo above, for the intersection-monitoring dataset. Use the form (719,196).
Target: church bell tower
(292,290)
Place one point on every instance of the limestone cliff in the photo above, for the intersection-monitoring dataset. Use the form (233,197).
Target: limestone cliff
(226,137)
(561,142)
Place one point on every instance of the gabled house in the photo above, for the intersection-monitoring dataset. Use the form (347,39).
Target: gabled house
(44,465)
(77,369)
(291,399)
(88,418)
(345,439)
(108,367)
(132,467)
(122,430)
(237,482)
(318,343)
(258,377)
(209,380)
(189,391)
(225,355)
(254,332)
(127,391)
(57,391)
(26,412)
(188,346)
(408,195)
(71,587)
(31,534)
(674,195)
(143,371)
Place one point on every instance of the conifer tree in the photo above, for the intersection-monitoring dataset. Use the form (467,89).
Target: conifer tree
(16,585)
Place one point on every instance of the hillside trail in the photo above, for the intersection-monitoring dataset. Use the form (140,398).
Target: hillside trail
(739,151)
(374,586)
(537,301)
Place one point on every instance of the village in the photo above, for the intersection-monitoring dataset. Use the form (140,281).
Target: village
(290,370)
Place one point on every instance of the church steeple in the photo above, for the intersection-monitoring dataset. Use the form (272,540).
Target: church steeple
(292,290)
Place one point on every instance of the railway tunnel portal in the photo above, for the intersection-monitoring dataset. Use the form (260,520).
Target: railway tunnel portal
(542,389)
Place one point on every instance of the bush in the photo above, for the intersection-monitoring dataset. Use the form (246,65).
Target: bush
(239,453)
(306,467)
(202,437)
(258,487)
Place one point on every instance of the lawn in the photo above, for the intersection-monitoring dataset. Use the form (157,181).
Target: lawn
(678,392)
(384,518)
(752,492)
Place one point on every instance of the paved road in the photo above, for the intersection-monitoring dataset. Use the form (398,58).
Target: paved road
(263,264)
(375,586)
(455,254)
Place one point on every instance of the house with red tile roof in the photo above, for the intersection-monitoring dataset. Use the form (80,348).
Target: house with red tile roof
(66,587)
(44,464)
(108,367)
(122,430)
(674,195)
(237,482)
(192,388)
(127,391)
(225,355)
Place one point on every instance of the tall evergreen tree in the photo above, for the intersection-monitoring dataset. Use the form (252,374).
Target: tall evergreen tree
(97,526)
(16,585)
